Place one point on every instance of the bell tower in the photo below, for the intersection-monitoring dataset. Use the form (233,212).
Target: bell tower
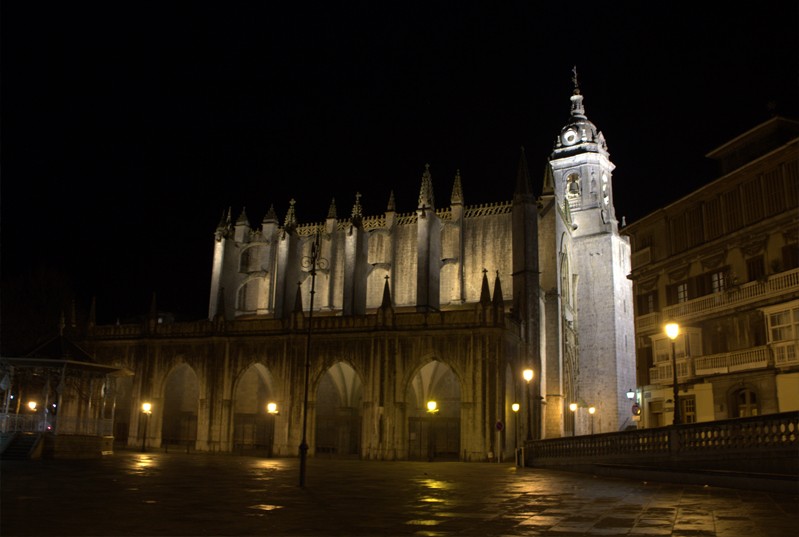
(593,261)
(582,172)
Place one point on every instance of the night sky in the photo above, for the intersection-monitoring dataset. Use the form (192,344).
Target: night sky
(129,128)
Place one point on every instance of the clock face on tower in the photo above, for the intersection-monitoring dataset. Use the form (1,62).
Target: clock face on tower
(569,137)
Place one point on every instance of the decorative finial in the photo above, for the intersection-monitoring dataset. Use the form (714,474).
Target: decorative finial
(574,81)
(291,216)
(357,212)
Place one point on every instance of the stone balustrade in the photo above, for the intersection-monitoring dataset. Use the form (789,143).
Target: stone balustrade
(762,444)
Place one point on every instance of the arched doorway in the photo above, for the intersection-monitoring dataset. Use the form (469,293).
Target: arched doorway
(253,424)
(338,412)
(181,396)
(434,433)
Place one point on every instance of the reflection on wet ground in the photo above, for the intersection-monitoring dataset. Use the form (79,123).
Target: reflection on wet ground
(176,494)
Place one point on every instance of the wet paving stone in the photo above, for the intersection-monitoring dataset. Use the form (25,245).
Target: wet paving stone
(176,495)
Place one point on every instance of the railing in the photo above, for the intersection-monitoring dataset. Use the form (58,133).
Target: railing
(29,423)
(754,358)
(776,285)
(467,317)
(767,443)
(714,364)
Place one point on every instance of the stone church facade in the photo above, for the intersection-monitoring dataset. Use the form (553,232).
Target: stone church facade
(349,327)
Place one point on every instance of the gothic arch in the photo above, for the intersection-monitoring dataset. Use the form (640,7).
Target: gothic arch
(252,425)
(434,434)
(180,396)
(338,411)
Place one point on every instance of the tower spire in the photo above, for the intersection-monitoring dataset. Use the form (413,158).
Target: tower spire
(426,200)
(578,110)
(524,189)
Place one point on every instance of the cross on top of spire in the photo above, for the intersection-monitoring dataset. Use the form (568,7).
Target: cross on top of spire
(574,81)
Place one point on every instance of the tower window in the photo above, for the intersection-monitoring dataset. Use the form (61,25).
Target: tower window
(573,185)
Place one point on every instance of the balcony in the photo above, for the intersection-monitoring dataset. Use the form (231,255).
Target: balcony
(752,292)
(776,286)
(784,355)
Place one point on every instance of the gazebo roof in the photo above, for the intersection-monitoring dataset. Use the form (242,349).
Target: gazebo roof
(61,353)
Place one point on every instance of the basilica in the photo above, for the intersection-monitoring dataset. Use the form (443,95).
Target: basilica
(452,331)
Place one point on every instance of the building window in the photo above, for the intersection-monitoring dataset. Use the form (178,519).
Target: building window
(745,403)
(755,268)
(711,282)
(677,293)
(718,282)
(688,408)
(648,303)
(790,256)
(244,261)
(783,326)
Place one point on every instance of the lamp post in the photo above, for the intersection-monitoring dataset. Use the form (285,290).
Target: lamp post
(573,408)
(591,411)
(673,330)
(312,262)
(432,409)
(147,410)
(271,409)
(515,407)
(528,374)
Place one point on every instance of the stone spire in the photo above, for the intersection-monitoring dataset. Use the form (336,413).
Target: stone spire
(426,200)
(498,300)
(524,189)
(225,226)
(392,205)
(243,220)
(485,294)
(331,211)
(291,218)
(357,210)
(386,295)
(270,216)
(457,190)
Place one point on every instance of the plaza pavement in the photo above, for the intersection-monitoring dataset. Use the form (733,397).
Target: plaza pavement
(178,494)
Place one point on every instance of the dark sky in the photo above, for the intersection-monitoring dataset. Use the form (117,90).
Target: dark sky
(129,127)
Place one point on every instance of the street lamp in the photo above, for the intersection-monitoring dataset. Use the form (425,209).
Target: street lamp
(432,409)
(591,411)
(271,408)
(147,410)
(313,263)
(528,374)
(515,407)
(573,408)
(673,330)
